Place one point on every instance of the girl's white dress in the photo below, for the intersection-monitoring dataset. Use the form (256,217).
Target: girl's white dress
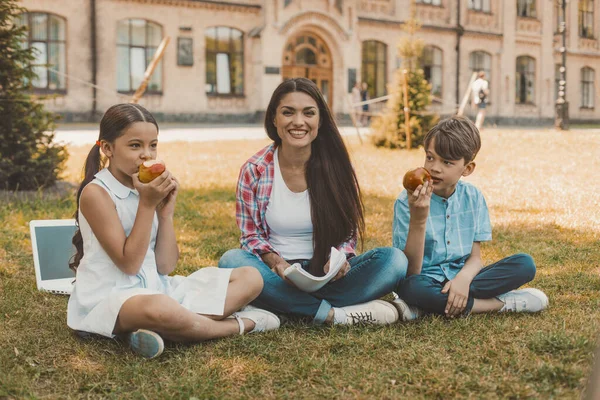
(101,287)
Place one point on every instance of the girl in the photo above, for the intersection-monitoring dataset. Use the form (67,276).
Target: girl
(126,248)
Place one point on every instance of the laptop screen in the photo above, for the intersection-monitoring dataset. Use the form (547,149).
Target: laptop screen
(55,250)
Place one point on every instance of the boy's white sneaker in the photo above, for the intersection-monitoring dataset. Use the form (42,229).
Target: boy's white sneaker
(524,300)
(147,344)
(376,312)
(407,313)
(263,320)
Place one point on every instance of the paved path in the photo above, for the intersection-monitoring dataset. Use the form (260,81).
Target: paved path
(82,136)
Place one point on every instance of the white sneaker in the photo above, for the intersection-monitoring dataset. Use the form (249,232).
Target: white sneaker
(524,300)
(407,313)
(376,312)
(146,343)
(263,320)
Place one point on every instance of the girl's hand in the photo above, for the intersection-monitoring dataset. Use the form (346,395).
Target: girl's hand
(419,200)
(341,273)
(153,193)
(166,208)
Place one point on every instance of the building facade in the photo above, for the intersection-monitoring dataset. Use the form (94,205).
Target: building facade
(225,58)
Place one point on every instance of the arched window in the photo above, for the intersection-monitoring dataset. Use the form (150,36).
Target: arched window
(586,18)
(137,41)
(46,34)
(479,5)
(525,80)
(526,8)
(306,56)
(481,61)
(224,61)
(587,87)
(431,63)
(374,67)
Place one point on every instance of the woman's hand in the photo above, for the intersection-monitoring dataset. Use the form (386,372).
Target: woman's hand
(419,200)
(154,192)
(341,273)
(279,267)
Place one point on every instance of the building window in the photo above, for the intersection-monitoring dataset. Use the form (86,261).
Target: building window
(525,80)
(556,80)
(432,2)
(137,41)
(481,61)
(479,5)
(46,35)
(587,87)
(526,8)
(431,63)
(586,18)
(374,67)
(224,61)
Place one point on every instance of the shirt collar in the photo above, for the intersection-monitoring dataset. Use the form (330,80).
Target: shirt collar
(450,200)
(116,187)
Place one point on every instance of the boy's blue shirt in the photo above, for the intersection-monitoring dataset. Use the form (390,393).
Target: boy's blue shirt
(453,225)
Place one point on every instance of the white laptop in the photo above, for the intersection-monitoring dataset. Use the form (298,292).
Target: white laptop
(52,250)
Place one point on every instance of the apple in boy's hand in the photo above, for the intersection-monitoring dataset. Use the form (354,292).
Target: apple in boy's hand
(415,177)
(151,169)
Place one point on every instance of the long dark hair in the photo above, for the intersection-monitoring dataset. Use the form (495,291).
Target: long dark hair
(337,211)
(113,124)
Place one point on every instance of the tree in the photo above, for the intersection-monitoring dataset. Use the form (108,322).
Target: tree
(389,129)
(28,157)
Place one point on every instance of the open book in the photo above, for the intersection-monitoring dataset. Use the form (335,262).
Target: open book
(310,283)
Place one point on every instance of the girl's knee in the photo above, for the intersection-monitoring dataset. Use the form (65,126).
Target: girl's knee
(232,258)
(160,310)
(251,277)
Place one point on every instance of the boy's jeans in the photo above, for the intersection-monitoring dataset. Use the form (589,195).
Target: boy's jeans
(372,275)
(501,277)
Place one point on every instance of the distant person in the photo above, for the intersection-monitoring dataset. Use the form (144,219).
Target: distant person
(364,96)
(480,90)
(440,227)
(296,199)
(126,249)
(356,98)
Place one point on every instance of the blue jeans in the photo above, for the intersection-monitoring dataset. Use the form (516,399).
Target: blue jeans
(501,277)
(372,275)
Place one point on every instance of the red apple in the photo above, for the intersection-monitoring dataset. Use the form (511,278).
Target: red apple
(415,177)
(151,169)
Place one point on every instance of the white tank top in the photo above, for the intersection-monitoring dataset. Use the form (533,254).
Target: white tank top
(288,218)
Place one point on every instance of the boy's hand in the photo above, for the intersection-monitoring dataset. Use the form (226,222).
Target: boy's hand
(458,289)
(419,200)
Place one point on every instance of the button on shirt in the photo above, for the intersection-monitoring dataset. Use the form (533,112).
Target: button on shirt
(453,225)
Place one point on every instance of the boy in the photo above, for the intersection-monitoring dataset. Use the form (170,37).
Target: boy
(439,227)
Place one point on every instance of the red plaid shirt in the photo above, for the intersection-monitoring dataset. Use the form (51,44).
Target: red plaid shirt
(252,197)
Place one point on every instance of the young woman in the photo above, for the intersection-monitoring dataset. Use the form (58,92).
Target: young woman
(297,198)
(126,248)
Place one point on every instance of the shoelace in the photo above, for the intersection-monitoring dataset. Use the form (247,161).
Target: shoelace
(362,318)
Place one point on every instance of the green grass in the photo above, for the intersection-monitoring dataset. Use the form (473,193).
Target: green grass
(548,355)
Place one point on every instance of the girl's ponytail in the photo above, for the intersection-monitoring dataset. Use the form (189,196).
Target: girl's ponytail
(93,164)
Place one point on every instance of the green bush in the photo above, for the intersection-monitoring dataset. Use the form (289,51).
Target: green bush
(28,157)
(389,129)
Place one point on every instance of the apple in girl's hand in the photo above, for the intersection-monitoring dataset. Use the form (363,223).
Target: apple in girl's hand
(151,169)
(415,177)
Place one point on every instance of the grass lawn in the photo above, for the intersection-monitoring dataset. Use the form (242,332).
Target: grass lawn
(543,191)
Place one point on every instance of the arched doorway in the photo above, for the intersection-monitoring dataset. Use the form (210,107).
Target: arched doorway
(306,55)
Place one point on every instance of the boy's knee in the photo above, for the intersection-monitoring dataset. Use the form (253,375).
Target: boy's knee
(413,285)
(232,258)
(527,264)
